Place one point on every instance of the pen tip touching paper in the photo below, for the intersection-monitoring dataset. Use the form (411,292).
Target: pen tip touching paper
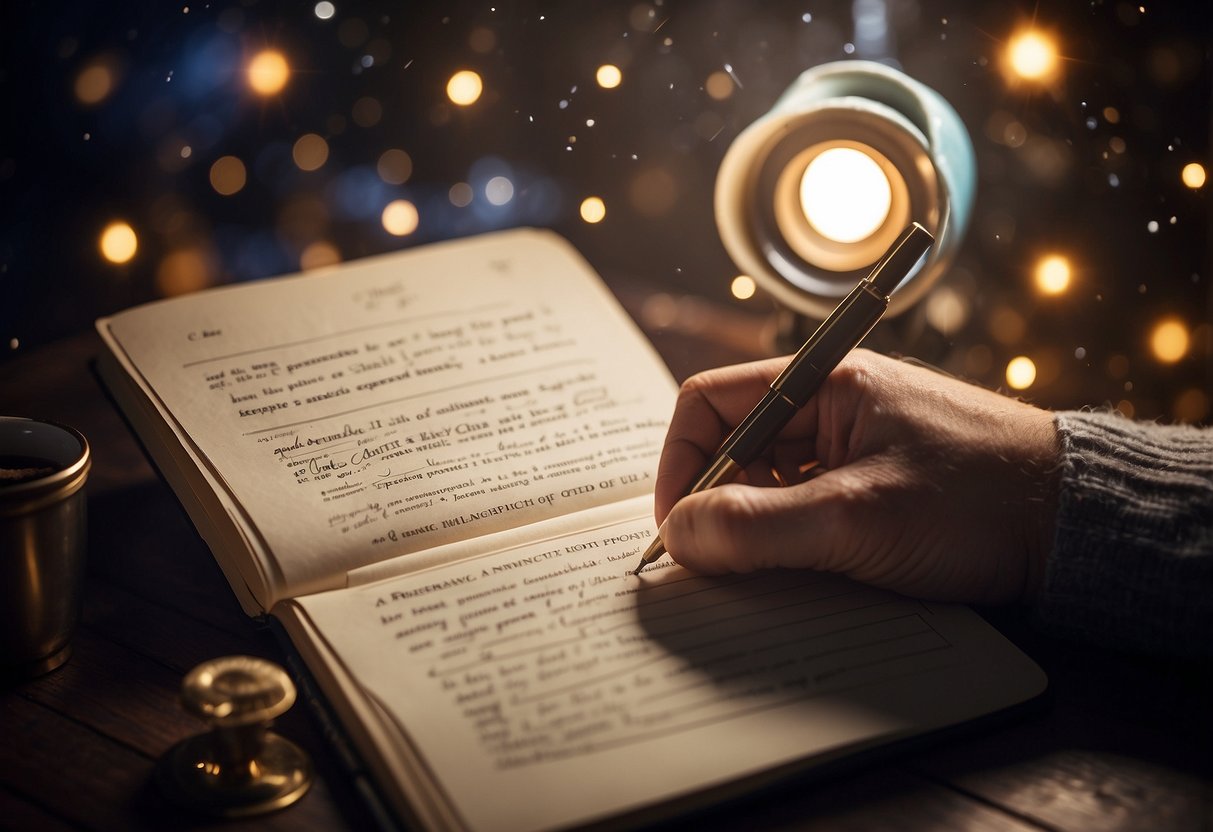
(656,549)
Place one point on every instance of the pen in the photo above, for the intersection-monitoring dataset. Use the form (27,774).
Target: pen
(838,334)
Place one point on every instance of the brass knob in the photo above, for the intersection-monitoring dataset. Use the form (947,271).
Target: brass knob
(240,767)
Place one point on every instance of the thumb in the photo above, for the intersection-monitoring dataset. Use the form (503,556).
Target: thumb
(741,528)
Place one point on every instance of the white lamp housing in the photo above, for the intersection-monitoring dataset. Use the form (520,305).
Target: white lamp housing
(811,194)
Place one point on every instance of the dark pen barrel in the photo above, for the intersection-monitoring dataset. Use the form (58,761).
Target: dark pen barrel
(847,325)
(756,432)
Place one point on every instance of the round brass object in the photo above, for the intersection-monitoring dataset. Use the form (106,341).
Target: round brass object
(240,768)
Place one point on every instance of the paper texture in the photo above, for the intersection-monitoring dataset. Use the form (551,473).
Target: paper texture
(406,401)
(545,685)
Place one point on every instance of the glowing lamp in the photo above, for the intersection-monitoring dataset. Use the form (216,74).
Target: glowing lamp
(811,194)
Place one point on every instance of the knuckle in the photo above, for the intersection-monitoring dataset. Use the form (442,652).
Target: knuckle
(693,387)
(852,376)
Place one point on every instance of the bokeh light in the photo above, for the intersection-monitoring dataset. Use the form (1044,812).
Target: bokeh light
(464,87)
(1169,340)
(118,242)
(653,193)
(185,270)
(499,190)
(461,194)
(395,166)
(367,111)
(1032,56)
(1193,175)
(319,254)
(310,152)
(947,310)
(400,218)
(96,81)
(482,40)
(1191,405)
(1021,373)
(845,195)
(593,209)
(1007,325)
(1053,274)
(608,76)
(743,287)
(228,175)
(719,85)
(268,72)
(1089,230)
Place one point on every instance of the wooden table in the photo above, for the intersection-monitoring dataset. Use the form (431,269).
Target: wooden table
(1120,742)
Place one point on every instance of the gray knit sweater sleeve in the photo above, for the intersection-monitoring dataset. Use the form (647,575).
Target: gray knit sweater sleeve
(1132,564)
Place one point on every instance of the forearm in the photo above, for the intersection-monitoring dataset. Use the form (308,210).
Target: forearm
(1132,562)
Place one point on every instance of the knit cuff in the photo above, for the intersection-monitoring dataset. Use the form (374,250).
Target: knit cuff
(1132,562)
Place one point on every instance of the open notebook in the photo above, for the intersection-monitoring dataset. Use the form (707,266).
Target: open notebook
(434,470)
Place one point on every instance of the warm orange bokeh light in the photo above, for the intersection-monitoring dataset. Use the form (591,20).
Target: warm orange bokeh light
(310,152)
(1169,340)
(268,72)
(593,209)
(743,287)
(609,76)
(400,218)
(1021,373)
(228,175)
(1194,175)
(118,242)
(96,81)
(464,88)
(1053,274)
(1032,56)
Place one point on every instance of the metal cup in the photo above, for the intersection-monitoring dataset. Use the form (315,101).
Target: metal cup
(43,467)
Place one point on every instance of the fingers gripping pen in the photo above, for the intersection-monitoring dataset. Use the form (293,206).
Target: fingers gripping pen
(838,334)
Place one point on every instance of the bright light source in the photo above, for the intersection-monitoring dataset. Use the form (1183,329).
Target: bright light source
(609,76)
(1169,340)
(400,218)
(324,10)
(1193,175)
(1032,56)
(845,195)
(593,209)
(743,287)
(268,72)
(1053,274)
(118,242)
(464,88)
(1021,372)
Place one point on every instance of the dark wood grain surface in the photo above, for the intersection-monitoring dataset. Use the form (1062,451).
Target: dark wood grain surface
(1120,742)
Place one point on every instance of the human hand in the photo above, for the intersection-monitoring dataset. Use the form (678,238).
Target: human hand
(924,484)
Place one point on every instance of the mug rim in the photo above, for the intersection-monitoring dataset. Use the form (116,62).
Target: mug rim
(59,484)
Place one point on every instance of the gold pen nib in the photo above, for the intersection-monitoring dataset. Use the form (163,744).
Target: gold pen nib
(656,549)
